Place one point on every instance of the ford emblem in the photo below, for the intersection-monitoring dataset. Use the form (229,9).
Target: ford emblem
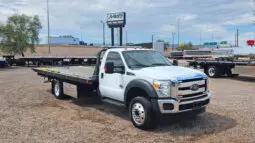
(194,87)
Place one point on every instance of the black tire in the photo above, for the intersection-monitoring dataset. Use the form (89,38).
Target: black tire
(57,89)
(149,118)
(213,71)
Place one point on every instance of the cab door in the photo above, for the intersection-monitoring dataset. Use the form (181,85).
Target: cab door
(111,85)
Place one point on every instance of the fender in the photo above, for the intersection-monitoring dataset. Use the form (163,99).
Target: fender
(142,84)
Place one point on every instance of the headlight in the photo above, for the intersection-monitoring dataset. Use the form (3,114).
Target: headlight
(163,88)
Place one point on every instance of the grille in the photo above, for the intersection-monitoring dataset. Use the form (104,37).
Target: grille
(194,105)
(185,92)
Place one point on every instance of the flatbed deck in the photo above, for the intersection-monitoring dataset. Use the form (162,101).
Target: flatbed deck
(229,62)
(73,74)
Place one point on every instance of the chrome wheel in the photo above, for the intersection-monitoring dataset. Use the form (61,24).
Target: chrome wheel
(211,72)
(138,113)
(57,88)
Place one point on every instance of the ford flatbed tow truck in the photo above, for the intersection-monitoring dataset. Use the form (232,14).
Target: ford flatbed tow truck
(142,80)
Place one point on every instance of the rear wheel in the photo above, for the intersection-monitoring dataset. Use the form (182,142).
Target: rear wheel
(57,89)
(141,113)
(213,71)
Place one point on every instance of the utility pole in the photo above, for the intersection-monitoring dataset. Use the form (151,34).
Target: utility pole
(237,37)
(152,40)
(254,17)
(48,17)
(178,26)
(200,39)
(126,38)
(103,31)
(173,34)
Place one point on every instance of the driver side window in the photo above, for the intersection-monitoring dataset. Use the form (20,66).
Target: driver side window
(115,58)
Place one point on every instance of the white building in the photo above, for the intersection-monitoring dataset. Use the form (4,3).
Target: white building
(64,40)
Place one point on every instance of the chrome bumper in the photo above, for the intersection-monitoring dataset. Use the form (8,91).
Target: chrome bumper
(176,104)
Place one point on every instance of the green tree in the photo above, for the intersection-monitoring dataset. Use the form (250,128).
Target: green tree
(166,44)
(19,34)
(129,44)
(188,46)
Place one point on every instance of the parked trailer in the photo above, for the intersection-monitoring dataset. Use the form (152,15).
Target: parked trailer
(51,60)
(225,66)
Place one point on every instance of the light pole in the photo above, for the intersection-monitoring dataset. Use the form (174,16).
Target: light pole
(126,38)
(103,31)
(200,39)
(173,34)
(48,17)
(178,27)
(152,40)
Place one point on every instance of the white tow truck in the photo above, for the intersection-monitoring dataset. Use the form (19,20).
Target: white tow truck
(142,80)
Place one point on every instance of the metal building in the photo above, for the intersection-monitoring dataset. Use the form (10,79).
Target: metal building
(66,39)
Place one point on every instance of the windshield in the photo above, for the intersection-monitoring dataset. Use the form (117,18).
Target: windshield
(143,58)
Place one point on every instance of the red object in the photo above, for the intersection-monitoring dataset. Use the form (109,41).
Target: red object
(105,69)
(250,42)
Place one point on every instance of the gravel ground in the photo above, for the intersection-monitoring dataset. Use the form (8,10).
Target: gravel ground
(29,113)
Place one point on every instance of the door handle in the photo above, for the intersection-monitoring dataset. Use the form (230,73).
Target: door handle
(102,75)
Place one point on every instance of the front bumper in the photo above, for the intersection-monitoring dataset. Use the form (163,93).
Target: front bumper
(178,107)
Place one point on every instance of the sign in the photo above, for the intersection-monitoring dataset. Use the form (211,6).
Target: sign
(223,42)
(181,45)
(210,43)
(116,19)
(250,42)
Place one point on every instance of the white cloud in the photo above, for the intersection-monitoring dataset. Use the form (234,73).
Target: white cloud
(168,28)
(241,19)
(188,17)
(144,17)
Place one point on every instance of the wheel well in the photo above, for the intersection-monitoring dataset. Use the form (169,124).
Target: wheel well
(134,92)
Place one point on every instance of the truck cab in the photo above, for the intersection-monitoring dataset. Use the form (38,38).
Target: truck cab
(145,80)
(142,80)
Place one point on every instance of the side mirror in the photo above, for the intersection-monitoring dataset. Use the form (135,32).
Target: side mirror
(109,68)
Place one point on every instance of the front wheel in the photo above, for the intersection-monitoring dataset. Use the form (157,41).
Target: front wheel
(141,113)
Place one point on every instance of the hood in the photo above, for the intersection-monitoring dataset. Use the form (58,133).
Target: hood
(173,73)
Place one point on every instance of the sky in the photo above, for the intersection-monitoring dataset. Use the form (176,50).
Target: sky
(214,20)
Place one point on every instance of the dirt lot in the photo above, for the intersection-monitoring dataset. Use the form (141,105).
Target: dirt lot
(29,113)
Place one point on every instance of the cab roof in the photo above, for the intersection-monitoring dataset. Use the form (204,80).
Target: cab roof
(125,48)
